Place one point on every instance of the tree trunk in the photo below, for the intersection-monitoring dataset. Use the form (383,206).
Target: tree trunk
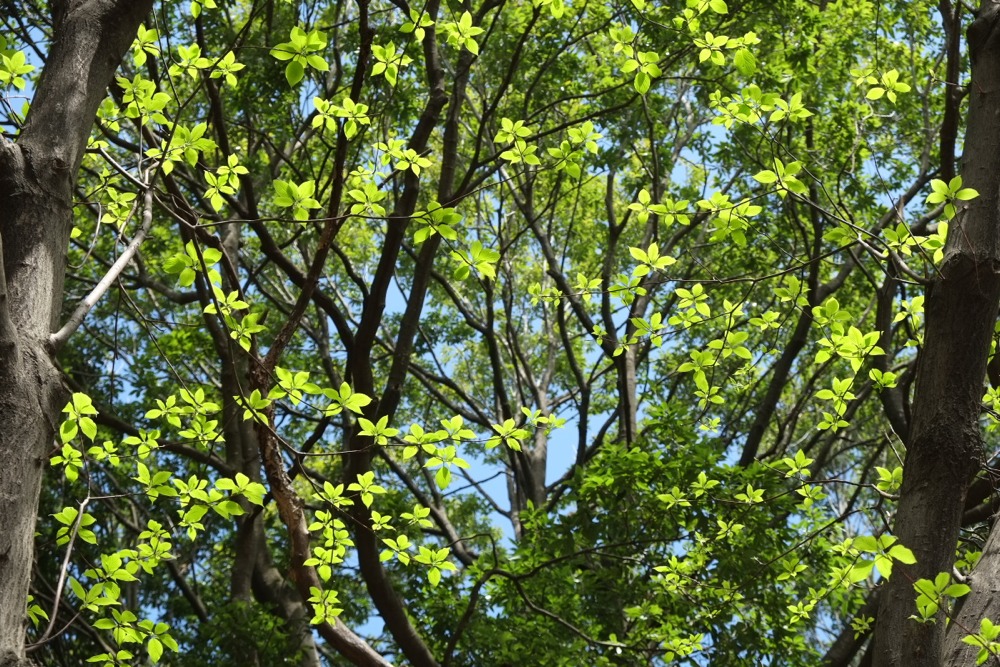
(961,308)
(37,174)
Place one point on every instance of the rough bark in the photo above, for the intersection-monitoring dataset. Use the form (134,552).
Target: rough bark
(961,308)
(982,602)
(37,172)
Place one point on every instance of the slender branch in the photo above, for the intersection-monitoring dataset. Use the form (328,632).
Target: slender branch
(333,223)
(59,338)
(438,512)
(63,569)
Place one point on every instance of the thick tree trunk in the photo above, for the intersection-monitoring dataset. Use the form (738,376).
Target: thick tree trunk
(36,188)
(961,308)
(28,403)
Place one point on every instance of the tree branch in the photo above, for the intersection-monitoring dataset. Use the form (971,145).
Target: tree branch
(59,338)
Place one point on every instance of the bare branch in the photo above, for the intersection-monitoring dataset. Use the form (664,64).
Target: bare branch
(59,338)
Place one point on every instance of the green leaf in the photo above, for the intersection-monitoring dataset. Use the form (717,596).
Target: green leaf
(317,63)
(860,571)
(88,427)
(902,554)
(866,543)
(957,590)
(642,82)
(294,72)
(745,61)
(155,649)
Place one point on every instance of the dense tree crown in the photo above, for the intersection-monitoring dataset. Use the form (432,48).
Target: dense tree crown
(552,332)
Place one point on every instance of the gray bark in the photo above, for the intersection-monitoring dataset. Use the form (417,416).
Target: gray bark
(982,602)
(961,307)
(37,172)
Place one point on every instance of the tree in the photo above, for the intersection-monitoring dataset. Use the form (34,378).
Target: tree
(944,446)
(497,333)
(38,177)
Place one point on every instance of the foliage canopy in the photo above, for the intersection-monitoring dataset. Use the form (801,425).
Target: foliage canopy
(499,333)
